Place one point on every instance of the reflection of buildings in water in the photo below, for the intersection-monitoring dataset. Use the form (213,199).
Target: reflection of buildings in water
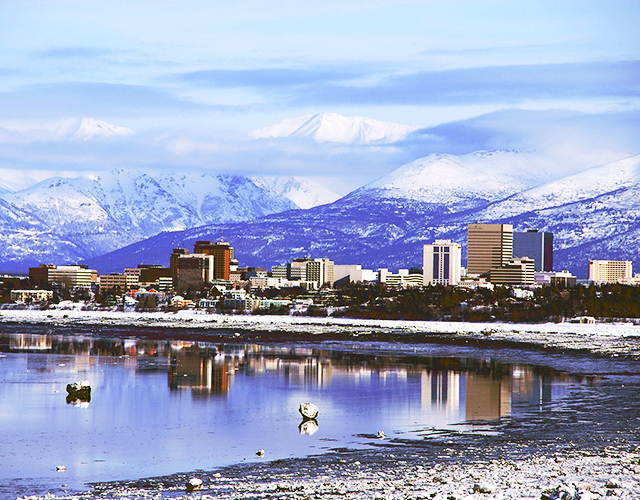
(25,342)
(203,375)
(487,397)
(479,396)
(440,390)
(310,371)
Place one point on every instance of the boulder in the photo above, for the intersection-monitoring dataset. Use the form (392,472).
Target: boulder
(194,484)
(80,390)
(309,411)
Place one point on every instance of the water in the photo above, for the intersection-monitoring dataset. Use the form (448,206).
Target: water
(160,407)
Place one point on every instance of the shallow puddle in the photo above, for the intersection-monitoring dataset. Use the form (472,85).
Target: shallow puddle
(160,407)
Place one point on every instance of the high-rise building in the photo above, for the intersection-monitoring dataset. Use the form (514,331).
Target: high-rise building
(610,271)
(173,262)
(489,246)
(441,263)
(222,252)
(39,276)
(195,269)
(535,245)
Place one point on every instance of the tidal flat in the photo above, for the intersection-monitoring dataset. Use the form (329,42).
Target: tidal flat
(503,412)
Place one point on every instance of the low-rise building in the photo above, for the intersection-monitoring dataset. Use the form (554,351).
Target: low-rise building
(402,279)
(564,278)
(519,271)
(123,282)
(31,295)
(353,273)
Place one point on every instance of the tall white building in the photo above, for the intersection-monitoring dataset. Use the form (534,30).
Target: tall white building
(609,271)
(441,263)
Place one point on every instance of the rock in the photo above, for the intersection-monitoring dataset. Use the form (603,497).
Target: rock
(260,453)
(308,427)
(79,390)
(483,487)
(309,411)
(612,484)
(566,492)
(194,484)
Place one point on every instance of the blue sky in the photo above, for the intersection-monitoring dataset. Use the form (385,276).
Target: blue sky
(474,74)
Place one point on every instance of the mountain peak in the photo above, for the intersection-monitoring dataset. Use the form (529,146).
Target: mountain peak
(90,128)
(333,127)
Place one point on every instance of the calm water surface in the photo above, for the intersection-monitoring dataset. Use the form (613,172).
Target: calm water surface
(160,407)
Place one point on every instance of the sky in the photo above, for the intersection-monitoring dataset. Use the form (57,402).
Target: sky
(189,80)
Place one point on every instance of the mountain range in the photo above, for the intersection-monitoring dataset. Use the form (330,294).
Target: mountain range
(593,214)
(72,219)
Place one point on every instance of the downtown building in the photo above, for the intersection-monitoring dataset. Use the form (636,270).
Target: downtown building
(68,277)
(537,245)
(442,261)
(516,272)
(489,246)
(610,271)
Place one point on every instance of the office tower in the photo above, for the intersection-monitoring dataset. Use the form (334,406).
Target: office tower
(222,252)
(173,262)
(441,263)
(489,246)
(537,246)
(194,269)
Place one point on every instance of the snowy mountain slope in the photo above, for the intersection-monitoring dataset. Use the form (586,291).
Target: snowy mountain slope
(333,127)
(588,184)
(303,192)
(26,241)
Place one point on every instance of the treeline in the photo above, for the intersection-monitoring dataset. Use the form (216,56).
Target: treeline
(549,303)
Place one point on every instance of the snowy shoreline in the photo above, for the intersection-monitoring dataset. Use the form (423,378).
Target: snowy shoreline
(608,339)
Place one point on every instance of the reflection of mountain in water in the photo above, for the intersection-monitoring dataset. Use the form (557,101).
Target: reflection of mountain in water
(464,389)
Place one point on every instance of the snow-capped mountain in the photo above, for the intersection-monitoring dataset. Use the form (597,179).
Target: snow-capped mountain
(303,192)
(333,127)
(386,223)
(445,180)
(90,128)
